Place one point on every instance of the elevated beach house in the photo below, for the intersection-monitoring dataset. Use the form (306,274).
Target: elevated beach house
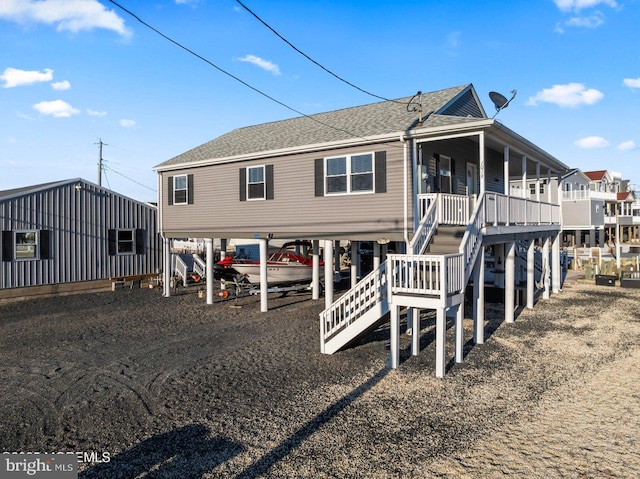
(72,236)
(429,172)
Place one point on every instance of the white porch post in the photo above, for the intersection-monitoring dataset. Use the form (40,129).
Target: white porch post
(415,331)
(441,335)
(531,278)
(524,176)
(478,299)
(509,282)
(209,266)
(394,338)
(328,273)
(264,286)
(545,269)
(355,262)
(459,333)
(166,273)
(376,255)
(556,271)
(483,186)
(223,255)
(315,270)
(505,172)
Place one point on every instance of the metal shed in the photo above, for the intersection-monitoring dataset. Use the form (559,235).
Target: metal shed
(73,235)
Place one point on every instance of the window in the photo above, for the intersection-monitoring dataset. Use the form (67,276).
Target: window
(255,183)
(126,241)
(180,190)
(350,174)
(26,244)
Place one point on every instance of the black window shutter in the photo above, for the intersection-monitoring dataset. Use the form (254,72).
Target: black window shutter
(139,241)
(7,245)
(437,182)
(319,176)
(113,243)
(453,176)
(190,189)
(243,184)
(45,251)
(170,189)
(381,172)
(268,179)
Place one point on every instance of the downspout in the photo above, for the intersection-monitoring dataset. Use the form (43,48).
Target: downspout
(405,191)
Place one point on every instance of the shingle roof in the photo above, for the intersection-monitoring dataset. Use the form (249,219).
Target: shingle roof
(596,175)
(374,119)
(27,189)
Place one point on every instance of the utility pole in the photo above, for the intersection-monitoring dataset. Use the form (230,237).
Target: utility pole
(100,160)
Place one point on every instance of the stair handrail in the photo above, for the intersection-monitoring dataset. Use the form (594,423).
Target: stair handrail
(472,240)
(181,269)
(369,291)
(426,229)
(199,266)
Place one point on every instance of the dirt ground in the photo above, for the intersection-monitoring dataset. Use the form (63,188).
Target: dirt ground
(174,388)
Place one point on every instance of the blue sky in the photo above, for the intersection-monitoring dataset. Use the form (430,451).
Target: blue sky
(73,72)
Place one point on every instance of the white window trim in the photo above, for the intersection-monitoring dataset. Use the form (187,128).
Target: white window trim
(133,242)
(186,190)
(36,245)
(349,175)
(264,183)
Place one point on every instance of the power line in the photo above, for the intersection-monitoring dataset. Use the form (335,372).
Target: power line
(235,77)
(311,59)
(106,168)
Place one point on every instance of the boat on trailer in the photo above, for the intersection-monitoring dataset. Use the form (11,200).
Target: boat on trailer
(284,267)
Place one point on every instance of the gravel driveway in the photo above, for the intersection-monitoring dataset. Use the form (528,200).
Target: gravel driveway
(172,387)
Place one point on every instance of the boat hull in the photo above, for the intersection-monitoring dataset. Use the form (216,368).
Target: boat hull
(277,274)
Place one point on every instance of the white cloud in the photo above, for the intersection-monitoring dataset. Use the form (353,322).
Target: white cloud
(591,21)
(13,77)
(264,64)
(61,85)
(577,5)
(627,145)
(571,94)
(96,112)
(70,15)
(56,108)
(632,82)
(592,142)
(127,123)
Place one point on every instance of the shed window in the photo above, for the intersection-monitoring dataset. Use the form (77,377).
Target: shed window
(26,244)
(126,241)
(350,174)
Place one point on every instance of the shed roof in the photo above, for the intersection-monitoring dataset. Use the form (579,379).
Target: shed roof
(440,108)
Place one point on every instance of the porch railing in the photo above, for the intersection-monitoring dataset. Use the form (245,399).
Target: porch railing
(426,274)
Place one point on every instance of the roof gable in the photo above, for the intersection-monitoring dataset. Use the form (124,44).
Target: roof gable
(598,175)
(438,108)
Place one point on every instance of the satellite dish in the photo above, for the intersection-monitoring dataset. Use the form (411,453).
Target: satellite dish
(500,101)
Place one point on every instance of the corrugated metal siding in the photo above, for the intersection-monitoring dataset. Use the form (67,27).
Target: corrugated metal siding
(79,220)
(295,211)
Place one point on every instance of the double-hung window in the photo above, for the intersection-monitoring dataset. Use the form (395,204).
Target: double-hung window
(255,183)
(180,189)
(350,174)
(126,240)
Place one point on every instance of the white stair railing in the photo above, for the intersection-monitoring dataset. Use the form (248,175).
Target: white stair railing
(181,269)
(369,291)
(426,229)
(472,240)
(199,266)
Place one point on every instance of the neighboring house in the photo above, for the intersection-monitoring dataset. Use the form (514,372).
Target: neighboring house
(583,209)
(431,172)
(73,235)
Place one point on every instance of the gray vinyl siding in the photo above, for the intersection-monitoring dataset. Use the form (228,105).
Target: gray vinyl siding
(295,211)
(78,221)
(464,106)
